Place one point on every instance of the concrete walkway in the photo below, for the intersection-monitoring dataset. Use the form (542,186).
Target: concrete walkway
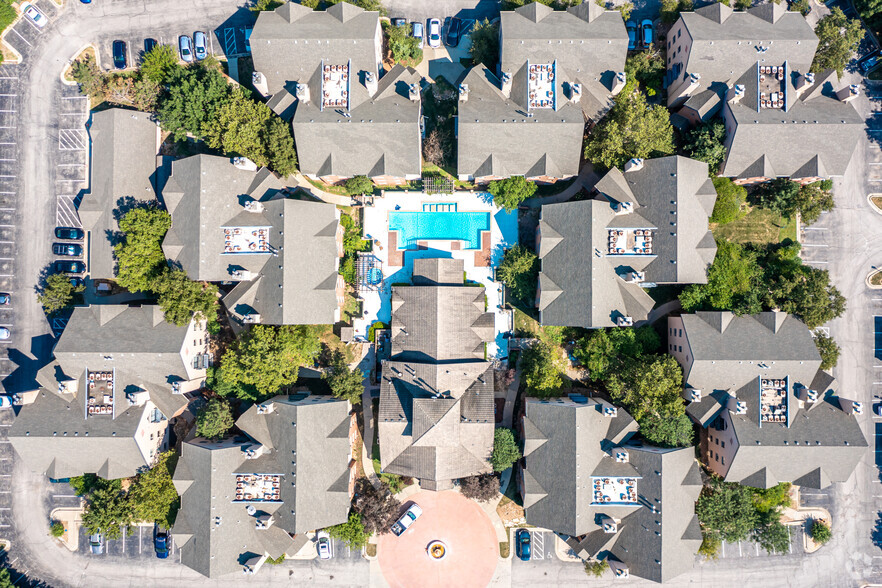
(586,179)
(511,396)
(663,310)
(367,409)
(306,186)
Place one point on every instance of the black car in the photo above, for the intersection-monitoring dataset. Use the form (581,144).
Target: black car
(454,31)
(68,267)
(68,233)
(69,249)
(119,54)
(149,44)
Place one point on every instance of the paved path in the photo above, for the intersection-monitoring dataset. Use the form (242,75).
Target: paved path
(586,179)
(511,395)
(304,184)
(663,310)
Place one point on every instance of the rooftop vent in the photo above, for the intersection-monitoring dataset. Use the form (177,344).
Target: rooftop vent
(634,164)
(264,522)
(252,318)
(506,84)
(848,93)
(266,408)
(610,411)
(610,524)
(635,277)
(258,80)
(245,164)
(463,92)
(621,456)
(625,321)
(413,92)
(253,206)
(575,93)
(735,94)
(618,83)
(370,82)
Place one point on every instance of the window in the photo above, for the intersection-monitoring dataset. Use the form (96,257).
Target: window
(678,50)
(723,444)
(681,333)
(680,347)
(717,440)
(723,460)
(717,457)
(680,32)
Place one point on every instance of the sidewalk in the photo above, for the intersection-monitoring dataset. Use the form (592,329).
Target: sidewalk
(586,179)
(511,396)
(306,186)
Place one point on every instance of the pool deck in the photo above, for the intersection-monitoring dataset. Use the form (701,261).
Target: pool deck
(397,264)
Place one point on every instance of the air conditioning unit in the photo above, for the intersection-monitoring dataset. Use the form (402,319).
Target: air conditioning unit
(625,321)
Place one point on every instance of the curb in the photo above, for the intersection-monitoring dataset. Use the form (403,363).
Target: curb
(867,280)
(74,58)
(870,202)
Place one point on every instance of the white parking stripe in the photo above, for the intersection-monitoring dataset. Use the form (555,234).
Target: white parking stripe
(20,37)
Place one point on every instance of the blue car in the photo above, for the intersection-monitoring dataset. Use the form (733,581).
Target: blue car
(160,545)
(522,544)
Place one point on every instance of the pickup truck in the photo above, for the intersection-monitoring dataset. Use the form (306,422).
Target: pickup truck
(407,519)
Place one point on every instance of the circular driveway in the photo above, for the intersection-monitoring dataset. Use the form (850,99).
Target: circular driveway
(472,547)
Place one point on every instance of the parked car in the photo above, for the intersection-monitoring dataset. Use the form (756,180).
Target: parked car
(407,519)
(4,333)
(4,299)
(646,27)
(186,48)
(119,54)
(248,39)
(417,32)
(149,45)
(68,233)
(68,267)
(33,14)
(76,281)
(8,400)
(522,544)
(632,35)
(433,31)
(868,64)
(199,45)
(69,249)
(96,543)
(160,545)
(323,545)
(399,22)
(454,31)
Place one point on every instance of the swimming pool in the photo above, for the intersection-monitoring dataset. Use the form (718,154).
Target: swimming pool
(448,226)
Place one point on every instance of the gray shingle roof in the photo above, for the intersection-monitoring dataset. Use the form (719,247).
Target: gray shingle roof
(298,286)
(581,286)
(124,147)
(566,443)
(317,448)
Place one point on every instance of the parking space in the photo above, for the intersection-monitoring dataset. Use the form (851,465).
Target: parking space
(541,548)
(71,160)
(131,545)
(752,550)
(339,550)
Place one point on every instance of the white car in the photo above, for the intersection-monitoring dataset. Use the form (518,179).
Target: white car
(434,32)
(407,519)
(417,28)
(9,400)
(323,545)
(33,14)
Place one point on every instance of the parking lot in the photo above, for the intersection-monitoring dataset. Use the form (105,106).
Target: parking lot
(541,547)
(752,550)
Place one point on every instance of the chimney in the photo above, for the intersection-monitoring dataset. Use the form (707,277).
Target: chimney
(610,525)
(252,318)
(849,93)
(370,82)
(463,92)
(736,406)
(635,277)
(302,93)
(258,80)
(413,92)
(735,94)
(620,570)
(244,163)
(243,275)
(264,522)
(807,395)
(506,84)
(575,93)
(625,321)
(634,164)
(689,85)
(609,410)
(618,83)
(692,394)
(624,208)
(851,406)
(266,407)
(804,82)
(621,455)
(253,206)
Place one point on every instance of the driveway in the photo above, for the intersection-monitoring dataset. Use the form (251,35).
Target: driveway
(468,534)
(421,10)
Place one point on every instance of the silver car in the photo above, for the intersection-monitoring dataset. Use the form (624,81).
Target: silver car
(199,45)
(186,47)
(96,543)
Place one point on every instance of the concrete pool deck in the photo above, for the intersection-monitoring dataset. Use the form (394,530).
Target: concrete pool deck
(397,264)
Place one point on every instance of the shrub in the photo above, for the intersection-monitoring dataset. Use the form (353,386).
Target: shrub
(519,271)
(596,568)
(345,383)
(510,192)
(710,546)
(214,419)
(505,449)
(377,326)
(828,349)
(159,63)
(405,48)
(730,201)
(820,532)
(351,532)
(57,529)
(541,376)
(482,488)
(359,185)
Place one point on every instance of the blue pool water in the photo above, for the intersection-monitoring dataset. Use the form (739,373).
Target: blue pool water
(422,226)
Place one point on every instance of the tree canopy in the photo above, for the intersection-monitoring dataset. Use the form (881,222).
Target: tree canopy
(828,349)
(603,351)
(647,68)
(648,385)
(345,383)
(510,192)
(481,488)
(181,298)
(376,506)
(787,198)
(259,363)
(730,279)
(727,511)
(194,95)
(359,185)
(674,430)
(152,494)
(838,40)
(159,63)
(57,293)
(632,128)
(820,532)
(541,375)
(405,48)
(485,43)
(238,127)
(351,532)
(730,201)
(705,143)
(107,509)
(671,9)
(519,271)
(139,255)
(214,419)
(505,449)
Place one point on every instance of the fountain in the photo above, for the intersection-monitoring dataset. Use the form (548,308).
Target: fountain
(437,550)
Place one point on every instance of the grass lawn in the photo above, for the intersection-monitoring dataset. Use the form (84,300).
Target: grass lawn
(759,226)
(524,323)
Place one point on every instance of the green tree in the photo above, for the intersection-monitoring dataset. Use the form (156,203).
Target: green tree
(726,511)
(57,293)
(625,8)
(838,40)
(139,255)
(730,201)
(632,128)
(768,500)
(88,77)
(84,484)
(404,46)
(238,126)
(6,579)
(107,510)
(667,431)
(812,297)
(351,532)
(820,532)
(812,200)
(519,271)
(730,278)
(801,6)
(359,185)
(648,385)
(596,568)
(258,364)
(510,192)
(152,495)
(267,5)
(280,146)
(145,94)
(56,529)
(773,536)
(344,383)
(485,44)
(603,350)
(505,449)
(705,143)
(195,93)
(710,546)
(779,195)
(671,9)
(181,299)
(828,349)
(159,63)
(214,419)
(541,376)
(647,68)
